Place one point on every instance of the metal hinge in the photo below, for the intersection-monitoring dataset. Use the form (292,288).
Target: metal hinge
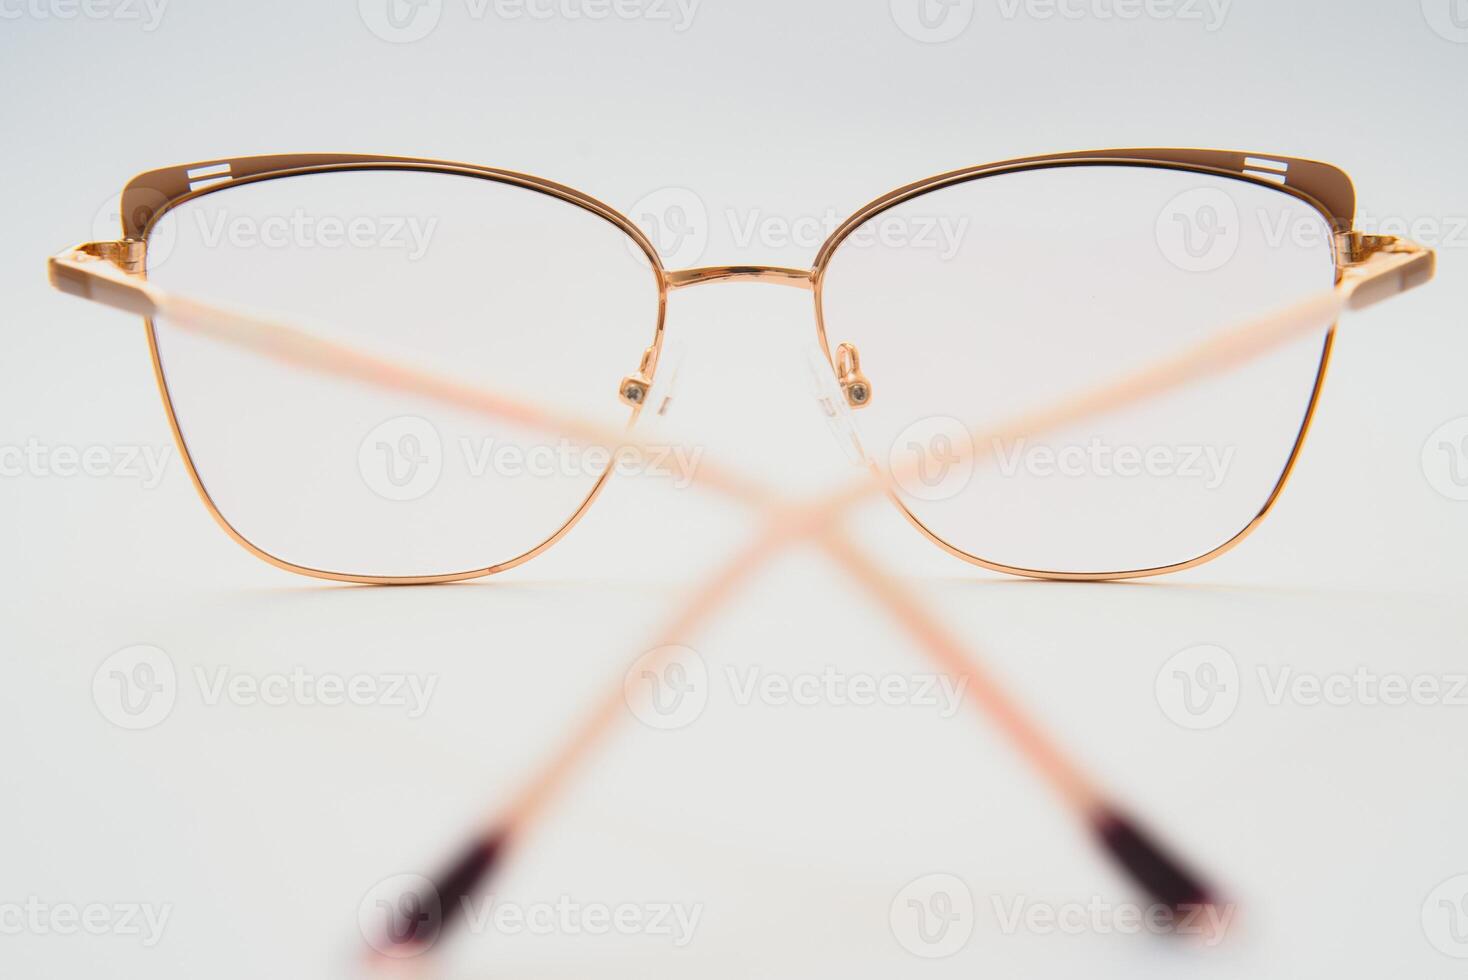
(1377,267)
(1355,247)
(128,254)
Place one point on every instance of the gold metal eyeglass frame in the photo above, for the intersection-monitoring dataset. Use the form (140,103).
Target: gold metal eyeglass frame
(1369,267)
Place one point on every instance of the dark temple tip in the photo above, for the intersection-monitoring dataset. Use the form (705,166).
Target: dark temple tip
(420,917)
(1157,872)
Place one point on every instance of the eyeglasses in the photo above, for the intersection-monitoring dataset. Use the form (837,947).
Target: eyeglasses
(261,403)
(946,307)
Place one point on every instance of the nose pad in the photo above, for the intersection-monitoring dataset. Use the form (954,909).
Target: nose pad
(665,385)
(833,404)
(655,381)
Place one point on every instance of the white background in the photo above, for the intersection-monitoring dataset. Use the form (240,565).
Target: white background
(793,827)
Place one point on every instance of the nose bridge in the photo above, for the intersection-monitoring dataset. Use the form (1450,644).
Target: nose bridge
(798,278)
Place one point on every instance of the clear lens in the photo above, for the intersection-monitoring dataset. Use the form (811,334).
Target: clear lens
(978,303)
(488,284)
